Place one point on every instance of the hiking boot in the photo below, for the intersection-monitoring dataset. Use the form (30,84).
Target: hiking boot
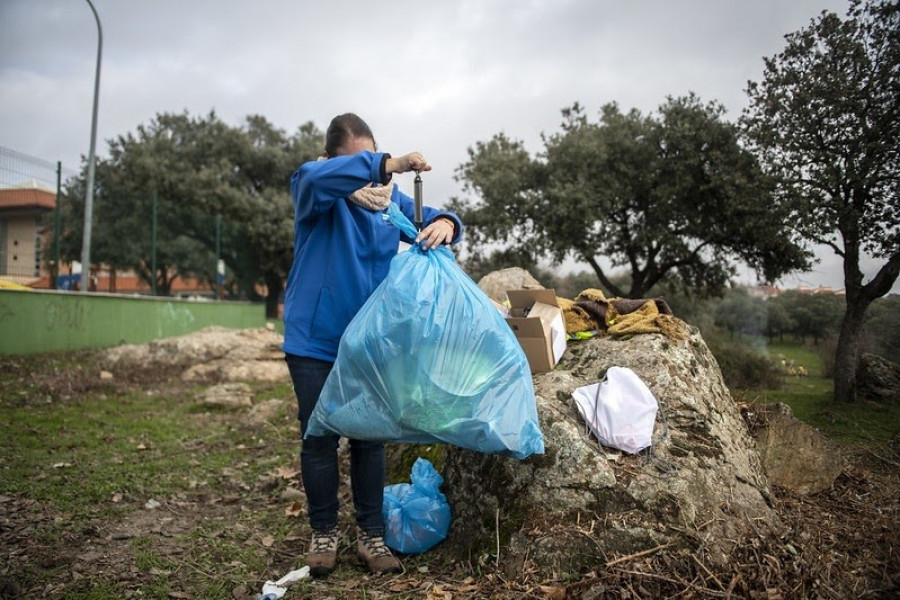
(322,555)
(378,558)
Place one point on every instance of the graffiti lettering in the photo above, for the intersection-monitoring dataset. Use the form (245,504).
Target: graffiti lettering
(181,316)
(6,313)
(70,314)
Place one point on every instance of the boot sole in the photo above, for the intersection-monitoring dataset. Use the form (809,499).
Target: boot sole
(391,571)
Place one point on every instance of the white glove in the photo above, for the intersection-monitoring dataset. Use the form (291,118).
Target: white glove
(373,198)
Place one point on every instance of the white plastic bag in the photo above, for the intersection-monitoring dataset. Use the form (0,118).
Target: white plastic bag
(620,410)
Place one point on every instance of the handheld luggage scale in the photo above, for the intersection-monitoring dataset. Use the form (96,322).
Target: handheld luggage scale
(417,186)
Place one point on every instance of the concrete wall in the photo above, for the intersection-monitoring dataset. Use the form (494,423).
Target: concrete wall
(43,321)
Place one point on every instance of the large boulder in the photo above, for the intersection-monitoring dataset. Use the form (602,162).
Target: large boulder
(496,283)
(878,378)
(795,456)
(579,504)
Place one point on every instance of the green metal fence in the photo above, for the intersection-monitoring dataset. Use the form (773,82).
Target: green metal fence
(43,321)
(28,232)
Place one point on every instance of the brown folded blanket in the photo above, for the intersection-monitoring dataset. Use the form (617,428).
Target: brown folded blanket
(576,318)
(595,303)
(619,316)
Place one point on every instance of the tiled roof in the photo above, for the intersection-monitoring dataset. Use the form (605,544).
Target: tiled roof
(27,198)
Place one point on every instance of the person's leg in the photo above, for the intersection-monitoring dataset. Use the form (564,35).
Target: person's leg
(318,465)
(319,473)
(367,475)
(318,455)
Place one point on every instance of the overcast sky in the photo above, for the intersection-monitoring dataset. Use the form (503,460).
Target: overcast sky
(435,76)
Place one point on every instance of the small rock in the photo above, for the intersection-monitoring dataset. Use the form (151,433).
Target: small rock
(291,493)
(266,411)
(227,395)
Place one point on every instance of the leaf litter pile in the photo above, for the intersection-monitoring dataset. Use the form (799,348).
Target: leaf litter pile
(217,509)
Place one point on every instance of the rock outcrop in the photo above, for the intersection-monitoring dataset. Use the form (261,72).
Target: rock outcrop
(878,378)
(795,455)
(701,482)
(214,354)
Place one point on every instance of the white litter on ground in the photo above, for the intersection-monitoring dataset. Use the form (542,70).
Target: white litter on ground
(272,590)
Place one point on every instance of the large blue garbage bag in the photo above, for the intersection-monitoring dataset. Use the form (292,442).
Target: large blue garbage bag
(428,358)
(416,515)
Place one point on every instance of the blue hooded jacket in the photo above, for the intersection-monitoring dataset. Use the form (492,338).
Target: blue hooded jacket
(342,251)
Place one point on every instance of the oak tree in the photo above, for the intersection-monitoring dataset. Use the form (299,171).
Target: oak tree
(824,122)
(670,197)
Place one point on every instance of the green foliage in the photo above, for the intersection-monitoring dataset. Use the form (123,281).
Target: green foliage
(813,316)
(881,332)
(825,120)
(738,312)
(671,197)
(742,366)
(826,349)
(196,169)
(824,123)
(810,396)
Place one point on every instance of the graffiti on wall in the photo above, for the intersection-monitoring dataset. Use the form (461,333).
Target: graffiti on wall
(177,315)
(67,313)
(6,313)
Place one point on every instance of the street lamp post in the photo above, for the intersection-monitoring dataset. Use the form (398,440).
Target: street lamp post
(89,195)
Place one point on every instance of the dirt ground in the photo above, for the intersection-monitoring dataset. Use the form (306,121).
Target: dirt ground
(842,543)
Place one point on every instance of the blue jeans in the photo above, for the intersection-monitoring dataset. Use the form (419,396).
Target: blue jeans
(319,458)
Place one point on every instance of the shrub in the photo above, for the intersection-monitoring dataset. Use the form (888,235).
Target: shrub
(744,368)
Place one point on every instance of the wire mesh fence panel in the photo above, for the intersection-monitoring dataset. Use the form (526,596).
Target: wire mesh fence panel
(28,199)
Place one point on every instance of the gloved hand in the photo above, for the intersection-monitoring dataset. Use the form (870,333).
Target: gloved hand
(373,198)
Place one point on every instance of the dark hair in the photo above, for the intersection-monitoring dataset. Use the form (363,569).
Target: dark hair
(344,128)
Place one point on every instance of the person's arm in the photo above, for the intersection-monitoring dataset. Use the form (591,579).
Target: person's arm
(441,226)
(446,228)
(317,185)
(414,161)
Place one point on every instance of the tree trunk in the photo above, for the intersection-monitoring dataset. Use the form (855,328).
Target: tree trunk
(275,286)
(847,354)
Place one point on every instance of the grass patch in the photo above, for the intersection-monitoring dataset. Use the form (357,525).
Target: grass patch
(795,355)
(811,399)
(135,445)
(79,461)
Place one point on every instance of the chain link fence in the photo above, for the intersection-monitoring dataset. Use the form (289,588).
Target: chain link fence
(28,199)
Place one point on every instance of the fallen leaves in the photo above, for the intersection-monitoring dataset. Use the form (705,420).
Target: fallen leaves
(295,510)
(287,472)
(553,592)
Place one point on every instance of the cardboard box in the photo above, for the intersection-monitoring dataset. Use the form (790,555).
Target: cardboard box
(537,320)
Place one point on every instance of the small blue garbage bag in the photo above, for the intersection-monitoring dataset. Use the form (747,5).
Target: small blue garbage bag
(429,359)
(417,515)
